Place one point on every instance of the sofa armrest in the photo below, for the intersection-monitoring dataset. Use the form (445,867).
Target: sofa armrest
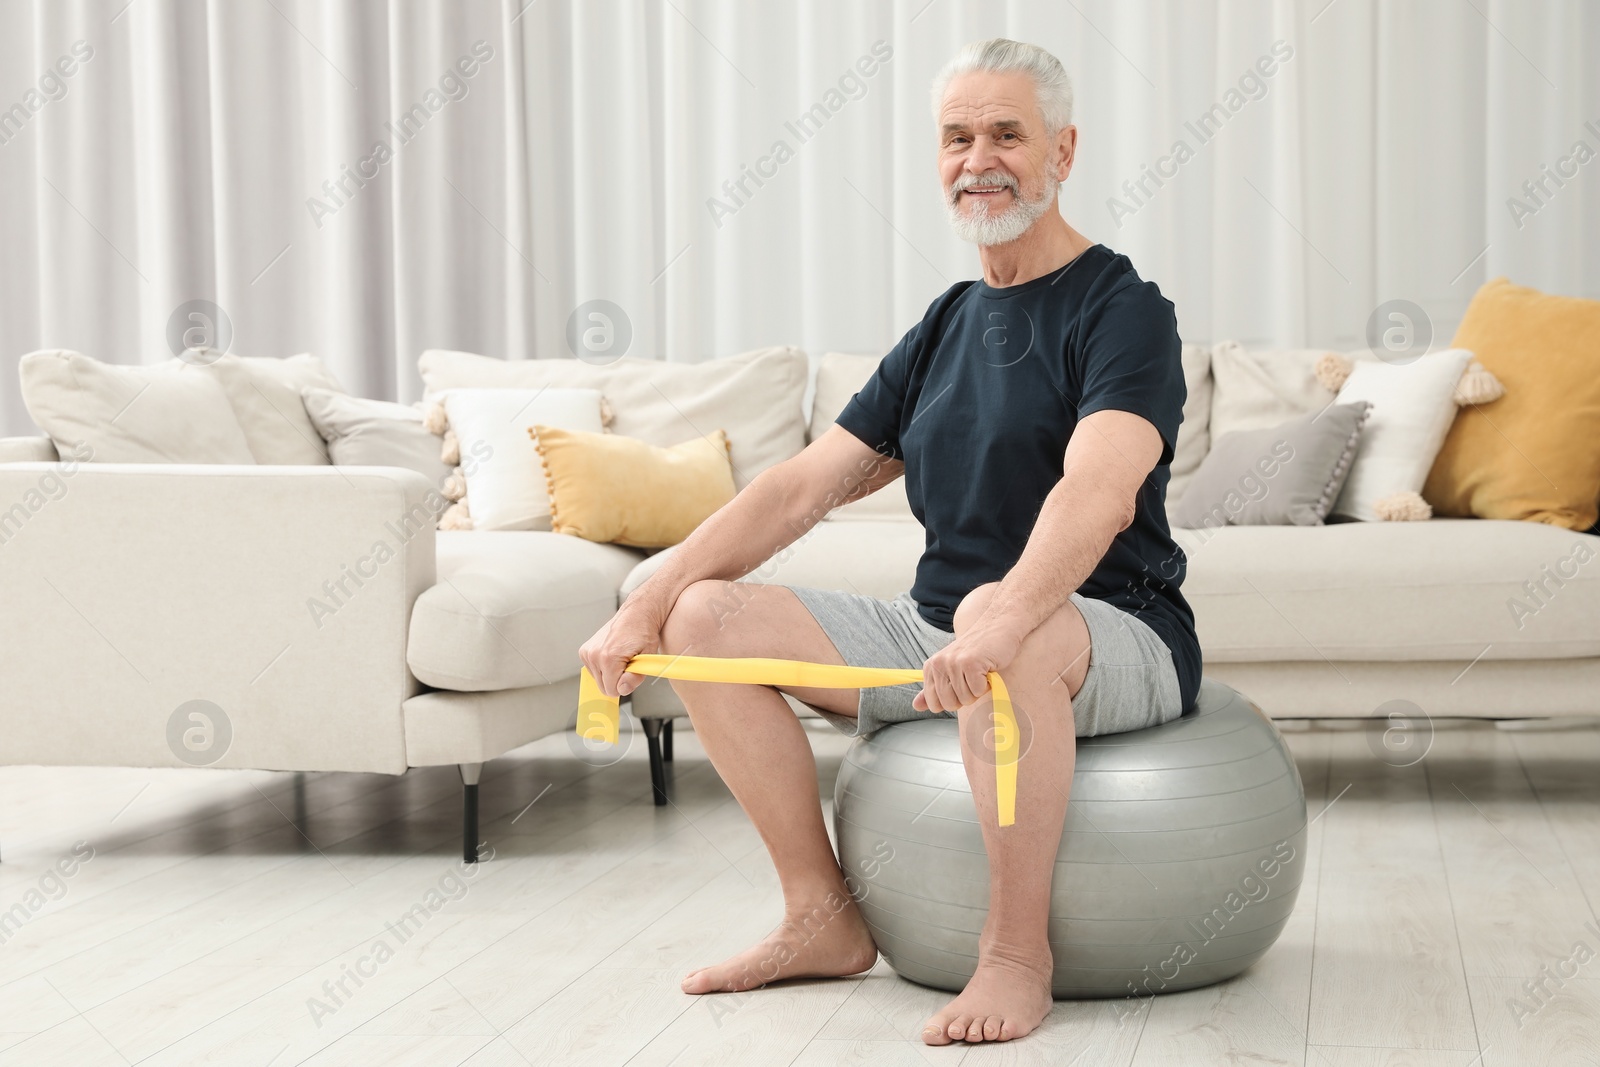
(281,595)
(27,450)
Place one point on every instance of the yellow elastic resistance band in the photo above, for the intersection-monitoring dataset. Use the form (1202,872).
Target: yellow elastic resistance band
(599,718)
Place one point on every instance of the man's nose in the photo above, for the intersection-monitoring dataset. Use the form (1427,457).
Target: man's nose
(982,159)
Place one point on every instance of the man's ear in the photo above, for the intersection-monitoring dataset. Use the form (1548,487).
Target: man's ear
(1067,142)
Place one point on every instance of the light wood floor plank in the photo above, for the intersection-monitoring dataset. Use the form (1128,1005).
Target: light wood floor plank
(1348,1056)
(1560,1030)
(1387,967)
(437,1051)
(1225,1024)
(605,1015)
(1516,900)
(831,1052)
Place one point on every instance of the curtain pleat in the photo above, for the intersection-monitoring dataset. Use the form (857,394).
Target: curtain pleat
(727,175)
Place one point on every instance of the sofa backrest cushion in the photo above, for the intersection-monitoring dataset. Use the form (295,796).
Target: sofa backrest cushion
(265,395)
(839,376)
(1194,434)
(755,397)
(1258,388)
(38,449)
(172,412)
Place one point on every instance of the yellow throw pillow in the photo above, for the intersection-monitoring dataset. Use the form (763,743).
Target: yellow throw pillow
(1534,453)
(604,487)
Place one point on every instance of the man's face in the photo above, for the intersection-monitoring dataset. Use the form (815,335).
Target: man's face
(997,164)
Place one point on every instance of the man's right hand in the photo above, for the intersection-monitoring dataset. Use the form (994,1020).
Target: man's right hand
(634,629)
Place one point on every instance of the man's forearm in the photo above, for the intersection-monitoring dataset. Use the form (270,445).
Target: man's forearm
(1075,528)
(744,533)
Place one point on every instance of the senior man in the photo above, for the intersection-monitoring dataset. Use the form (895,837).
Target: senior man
(1033,414)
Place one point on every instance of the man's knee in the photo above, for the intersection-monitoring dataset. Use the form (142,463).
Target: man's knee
(973,605)
(700,616)
(1058,647)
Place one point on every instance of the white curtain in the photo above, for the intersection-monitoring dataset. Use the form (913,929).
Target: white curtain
(1356,152)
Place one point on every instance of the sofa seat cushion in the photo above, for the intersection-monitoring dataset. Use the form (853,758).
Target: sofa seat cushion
(1446,589)
(511,607)
(874,557)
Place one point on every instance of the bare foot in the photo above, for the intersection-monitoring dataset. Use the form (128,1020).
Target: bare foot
(1006,998)
(829,940)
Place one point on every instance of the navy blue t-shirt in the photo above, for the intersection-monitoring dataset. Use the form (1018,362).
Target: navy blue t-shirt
(979,398)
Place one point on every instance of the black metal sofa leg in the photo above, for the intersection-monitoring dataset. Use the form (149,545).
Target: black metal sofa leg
(666,741)
(658,766)
(469,811)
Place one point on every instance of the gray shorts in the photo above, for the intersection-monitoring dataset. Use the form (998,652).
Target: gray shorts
(1131,682)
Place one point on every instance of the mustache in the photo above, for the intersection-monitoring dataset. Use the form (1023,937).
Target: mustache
(993,177)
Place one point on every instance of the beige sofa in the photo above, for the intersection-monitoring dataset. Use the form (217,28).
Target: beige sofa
(1319,621)
(132,589)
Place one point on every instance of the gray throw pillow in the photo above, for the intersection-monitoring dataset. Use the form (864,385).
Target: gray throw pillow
(1288,475)
(375,433)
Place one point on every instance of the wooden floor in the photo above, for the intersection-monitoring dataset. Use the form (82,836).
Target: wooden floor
(219,912)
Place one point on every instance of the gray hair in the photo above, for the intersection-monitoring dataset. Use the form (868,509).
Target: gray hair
(1001,56)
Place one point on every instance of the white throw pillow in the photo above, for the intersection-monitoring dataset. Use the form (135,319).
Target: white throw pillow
(504,475)
(1413,405)
(754,397)
(265,394)
(172,412)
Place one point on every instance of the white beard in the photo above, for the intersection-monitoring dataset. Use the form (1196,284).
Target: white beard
(979,227)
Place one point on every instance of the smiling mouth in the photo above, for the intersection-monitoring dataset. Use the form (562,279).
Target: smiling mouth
(985,190)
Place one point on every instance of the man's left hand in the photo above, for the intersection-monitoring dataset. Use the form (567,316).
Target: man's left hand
(957,674)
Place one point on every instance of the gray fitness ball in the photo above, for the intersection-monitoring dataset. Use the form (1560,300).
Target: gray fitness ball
(1179,865)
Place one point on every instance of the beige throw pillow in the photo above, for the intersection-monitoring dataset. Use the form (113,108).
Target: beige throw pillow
(172,412)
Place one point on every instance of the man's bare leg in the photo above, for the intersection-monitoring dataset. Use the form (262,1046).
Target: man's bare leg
(1009,994)
(761,751)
